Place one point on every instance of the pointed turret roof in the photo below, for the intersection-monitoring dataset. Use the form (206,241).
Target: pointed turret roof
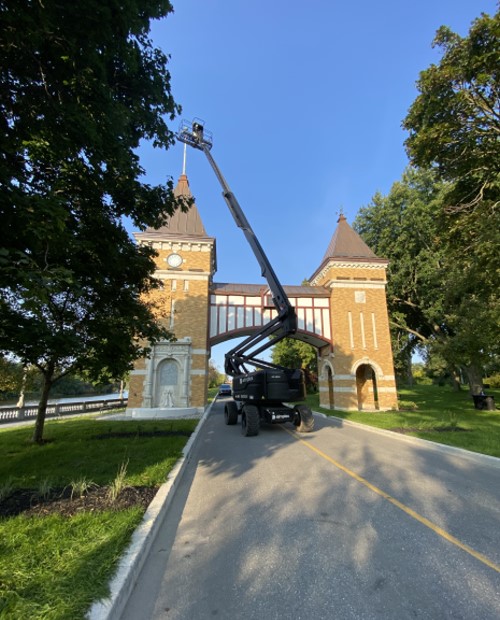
(345,247)
(346,243)
(179,225)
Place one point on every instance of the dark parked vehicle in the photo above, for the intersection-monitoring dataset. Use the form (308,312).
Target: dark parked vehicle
(225,389)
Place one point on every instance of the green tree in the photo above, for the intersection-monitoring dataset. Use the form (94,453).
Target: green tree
(292,353)
(402,227)
(16,380)
(454,127)
(10,376)
(215,377)
(434,299)
(81,86)
(454,124)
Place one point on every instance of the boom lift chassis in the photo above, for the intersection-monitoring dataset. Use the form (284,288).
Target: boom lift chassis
(259,395)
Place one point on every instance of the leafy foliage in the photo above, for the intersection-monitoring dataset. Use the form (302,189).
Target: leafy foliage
(438,296)
(10,376)
(454,123)
(292,353)
(82,85)
(403,228)
(14,378)
(215,377)
(454,127)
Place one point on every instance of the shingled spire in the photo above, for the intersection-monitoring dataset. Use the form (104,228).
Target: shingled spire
(182,224)
(179,225)
(346,243)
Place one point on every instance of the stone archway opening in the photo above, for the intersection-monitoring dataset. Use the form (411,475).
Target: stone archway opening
(366,388)
(220,346)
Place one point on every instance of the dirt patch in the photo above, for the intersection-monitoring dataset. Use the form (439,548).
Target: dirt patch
(59,501)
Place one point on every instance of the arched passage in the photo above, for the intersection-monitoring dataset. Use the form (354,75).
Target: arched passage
(366,388)
(221,345)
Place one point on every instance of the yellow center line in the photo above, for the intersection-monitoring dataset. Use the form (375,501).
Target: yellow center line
(432,526)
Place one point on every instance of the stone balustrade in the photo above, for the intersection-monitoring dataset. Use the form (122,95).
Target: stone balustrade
(29,412)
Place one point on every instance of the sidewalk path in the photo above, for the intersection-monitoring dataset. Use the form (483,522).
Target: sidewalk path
(341,523)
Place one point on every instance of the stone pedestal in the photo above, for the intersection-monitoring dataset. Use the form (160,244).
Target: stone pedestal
(159,413)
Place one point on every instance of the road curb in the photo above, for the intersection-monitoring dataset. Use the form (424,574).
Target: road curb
(483,459)
(135,555)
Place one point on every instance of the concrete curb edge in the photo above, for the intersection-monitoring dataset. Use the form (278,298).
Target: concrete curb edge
(135,555)
(483,459)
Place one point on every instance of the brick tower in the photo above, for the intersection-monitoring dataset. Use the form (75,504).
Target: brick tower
(175,375)
(356,371)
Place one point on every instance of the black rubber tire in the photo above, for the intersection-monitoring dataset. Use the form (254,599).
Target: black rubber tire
(231,413)
(304,420)
(250,421)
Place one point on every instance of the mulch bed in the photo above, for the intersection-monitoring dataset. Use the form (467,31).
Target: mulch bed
(59,501)
(29,503)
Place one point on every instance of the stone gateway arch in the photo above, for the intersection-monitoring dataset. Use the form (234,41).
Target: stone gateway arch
(342,312)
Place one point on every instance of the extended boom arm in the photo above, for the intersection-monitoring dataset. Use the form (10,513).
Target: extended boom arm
(286,322)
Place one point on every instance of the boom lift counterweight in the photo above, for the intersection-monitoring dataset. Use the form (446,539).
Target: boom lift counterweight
(259,395)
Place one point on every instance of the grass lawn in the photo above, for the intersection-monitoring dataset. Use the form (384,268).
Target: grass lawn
(438,408)
(54,567)
(212,393)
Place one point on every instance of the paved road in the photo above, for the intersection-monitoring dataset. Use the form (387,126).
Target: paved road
(343,523)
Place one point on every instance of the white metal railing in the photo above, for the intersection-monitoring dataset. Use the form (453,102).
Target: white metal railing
(15,414)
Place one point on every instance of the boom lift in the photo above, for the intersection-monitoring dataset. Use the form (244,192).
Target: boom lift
(259,395)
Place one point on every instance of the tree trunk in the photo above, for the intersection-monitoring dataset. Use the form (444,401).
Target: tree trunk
(455,379)
(475,379)
(42,405)
(409,371)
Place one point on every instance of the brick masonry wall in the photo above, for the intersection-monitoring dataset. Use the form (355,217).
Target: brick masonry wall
(135,387)
(361,336)
(182,305)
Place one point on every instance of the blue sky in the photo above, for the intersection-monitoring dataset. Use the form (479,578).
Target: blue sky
(305,101)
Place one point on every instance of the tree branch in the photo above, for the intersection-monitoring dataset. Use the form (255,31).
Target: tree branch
(409,331)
